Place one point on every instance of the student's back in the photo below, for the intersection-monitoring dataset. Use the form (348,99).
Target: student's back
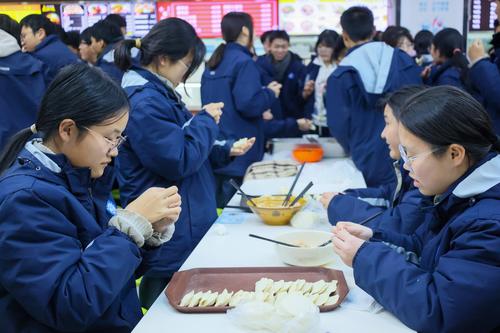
(354,117)
(22,84)
(55,54)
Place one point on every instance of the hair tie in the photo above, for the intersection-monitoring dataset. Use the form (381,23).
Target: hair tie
(33,129)
(138,43)
(457,50)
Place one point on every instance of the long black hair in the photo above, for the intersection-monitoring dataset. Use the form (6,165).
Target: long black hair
(451,45)
(444,115)
(173,38)
(397,99)
(231,26)
(78,92)
(329,39)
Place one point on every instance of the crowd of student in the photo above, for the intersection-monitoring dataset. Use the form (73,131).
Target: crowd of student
(418,116)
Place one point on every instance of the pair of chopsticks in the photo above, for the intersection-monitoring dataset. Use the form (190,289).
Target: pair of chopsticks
(362,222)
(289,195)
(237,187)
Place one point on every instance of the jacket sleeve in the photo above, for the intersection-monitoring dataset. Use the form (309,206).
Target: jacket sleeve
(281,128)
(45,268)
(250,97)
(460,294)
(351,209)
(338,104)
(485,77)
(220,154)
(166,148)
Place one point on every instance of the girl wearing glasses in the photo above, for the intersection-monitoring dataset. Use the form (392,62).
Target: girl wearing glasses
(68,257)
(166,145)
(398,203)
(444,277)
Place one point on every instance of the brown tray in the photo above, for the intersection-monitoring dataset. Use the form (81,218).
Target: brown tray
(244,278)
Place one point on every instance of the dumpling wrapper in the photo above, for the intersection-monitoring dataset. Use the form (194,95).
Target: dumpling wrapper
(195,300)
(223,298)
(332,300)
(240,143)
(186,299)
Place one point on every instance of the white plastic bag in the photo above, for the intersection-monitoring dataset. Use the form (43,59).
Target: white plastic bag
(292,313)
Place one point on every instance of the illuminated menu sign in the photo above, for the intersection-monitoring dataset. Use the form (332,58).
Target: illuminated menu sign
(206,16)
(73,17)
(482,15)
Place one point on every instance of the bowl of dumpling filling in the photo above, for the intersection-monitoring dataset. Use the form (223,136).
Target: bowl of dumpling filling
(312,248)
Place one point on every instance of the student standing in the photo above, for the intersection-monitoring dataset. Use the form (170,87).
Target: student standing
(22,83)
(442,278)
(38,37)
(168,146)
(232,77)
(68,257)
(368,71)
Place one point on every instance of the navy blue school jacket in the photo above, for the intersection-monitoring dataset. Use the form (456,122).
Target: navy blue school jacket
(400,205)
(237,83)
(445,74)
(444,278)
(485,78)
(54,54)
(354,115)
(312,71)
(62,268)
(167,146)
(22,84)
(106,62)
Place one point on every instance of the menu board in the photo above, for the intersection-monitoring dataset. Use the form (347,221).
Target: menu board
(96,12)
(73,17)
(206,16)
(18,11)
(311,17)
(52,12)
(482,15)
(144,19)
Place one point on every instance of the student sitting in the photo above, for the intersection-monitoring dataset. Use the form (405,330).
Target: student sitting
(450,64)
(286,68)
(38,37)
(232,77)
(22,83)
(398,205)
(368,71)
(68,257)
(444,277)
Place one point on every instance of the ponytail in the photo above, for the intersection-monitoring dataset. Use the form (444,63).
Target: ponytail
(460,61)
(231,25)
(13,148)
(216,57)
(123,53)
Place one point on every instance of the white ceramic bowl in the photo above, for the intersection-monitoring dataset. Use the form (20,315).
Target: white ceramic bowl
(311,254)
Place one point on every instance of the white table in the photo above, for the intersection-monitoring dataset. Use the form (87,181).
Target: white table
(236,249)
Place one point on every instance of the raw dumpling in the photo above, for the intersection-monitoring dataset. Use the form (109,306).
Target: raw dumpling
(318,287)
(236,298)
(307,287)
(297,285)
(195,299)
(223,298)
(332,300)
(187,298)
(322,299)
(208,299)
(264,284)
(277,286)
(286,286)
(331,287)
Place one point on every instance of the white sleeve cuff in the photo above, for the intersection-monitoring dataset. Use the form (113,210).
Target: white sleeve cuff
(158,239)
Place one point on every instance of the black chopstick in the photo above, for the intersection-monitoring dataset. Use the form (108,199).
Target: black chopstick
(302,193)
(272,240)
(289,195)
(236,186)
